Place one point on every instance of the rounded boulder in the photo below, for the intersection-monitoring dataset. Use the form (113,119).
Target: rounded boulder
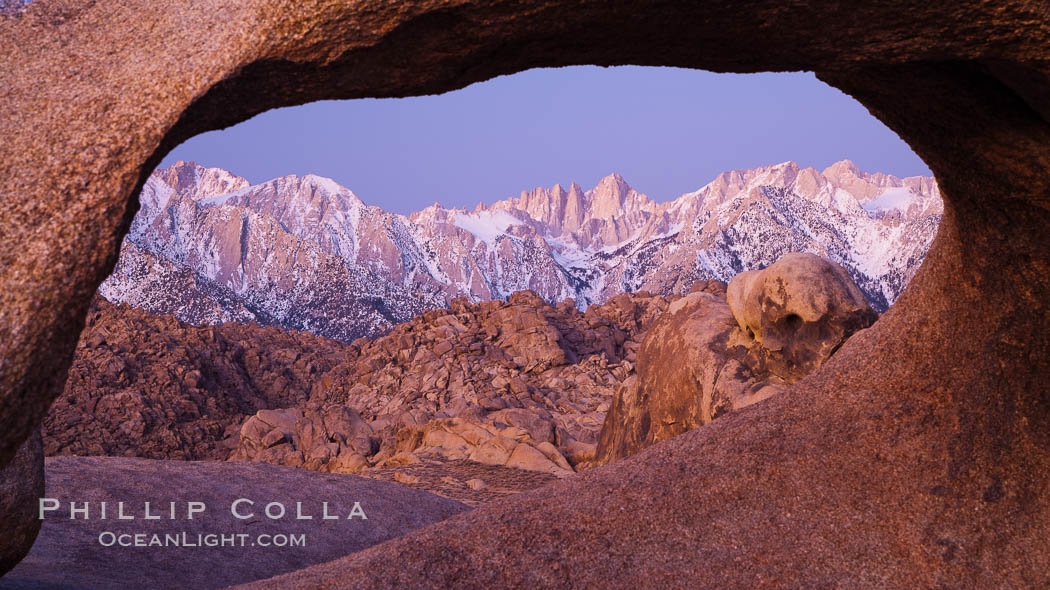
(799,310)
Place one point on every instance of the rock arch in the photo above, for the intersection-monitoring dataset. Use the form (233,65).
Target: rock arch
(919,456)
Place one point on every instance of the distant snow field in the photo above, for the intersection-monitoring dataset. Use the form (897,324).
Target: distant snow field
(306,253)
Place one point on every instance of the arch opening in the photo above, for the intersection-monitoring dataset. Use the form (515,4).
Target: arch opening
(839,449)
(304,252)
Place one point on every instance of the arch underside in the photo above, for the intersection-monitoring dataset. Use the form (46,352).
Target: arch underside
(918,456)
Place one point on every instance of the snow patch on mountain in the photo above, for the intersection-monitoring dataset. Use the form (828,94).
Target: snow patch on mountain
(899,198)
(488,226)
(306,253)
(218,200)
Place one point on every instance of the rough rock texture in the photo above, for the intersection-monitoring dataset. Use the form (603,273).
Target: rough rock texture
(68,553)
(918,456)
(712,286)
(21,484)
(336,440)
(462,480)
(474,382)
(704,357)
(799,310)
(147,385)
(694,366)
(517,383)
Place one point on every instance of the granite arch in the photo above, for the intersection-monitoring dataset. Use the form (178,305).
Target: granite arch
(928,437)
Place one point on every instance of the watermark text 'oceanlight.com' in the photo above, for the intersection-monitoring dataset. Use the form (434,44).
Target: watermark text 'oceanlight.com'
(209,540)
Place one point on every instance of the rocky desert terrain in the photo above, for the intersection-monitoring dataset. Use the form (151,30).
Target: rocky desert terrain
(473,402)
(240,307)
(522,373)
(224,348)
(915,456)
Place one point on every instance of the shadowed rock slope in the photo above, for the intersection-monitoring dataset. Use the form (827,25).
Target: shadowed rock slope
(148,385)
(918,456)
(21,485)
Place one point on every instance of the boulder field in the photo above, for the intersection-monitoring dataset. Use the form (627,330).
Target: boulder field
(148,385)
(919,455)
(520,384)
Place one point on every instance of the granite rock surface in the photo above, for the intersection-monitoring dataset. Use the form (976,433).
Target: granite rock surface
(705,357)
(917,456)
(21,484)
(798,310)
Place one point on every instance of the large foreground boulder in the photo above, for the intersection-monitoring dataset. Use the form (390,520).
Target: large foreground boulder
(21,483)
(80,553)
(692,368)
(704,357)
(799,310)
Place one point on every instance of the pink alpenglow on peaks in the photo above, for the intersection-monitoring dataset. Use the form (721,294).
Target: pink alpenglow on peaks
(306,253)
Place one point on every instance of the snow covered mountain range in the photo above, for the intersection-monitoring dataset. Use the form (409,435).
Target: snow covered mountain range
(306,253)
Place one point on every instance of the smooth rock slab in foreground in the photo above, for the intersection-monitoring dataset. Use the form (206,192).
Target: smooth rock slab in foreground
(68,553)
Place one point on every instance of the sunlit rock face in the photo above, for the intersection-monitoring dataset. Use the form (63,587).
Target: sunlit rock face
(915,456)
(798,311)
(718,350)
(208,247)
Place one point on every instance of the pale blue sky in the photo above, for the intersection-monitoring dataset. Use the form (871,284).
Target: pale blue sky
(667,131)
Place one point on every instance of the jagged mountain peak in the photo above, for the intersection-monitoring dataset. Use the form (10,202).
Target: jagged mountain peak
(305,252)
(198,181)
(841,168)
(613,181)
(613,196)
